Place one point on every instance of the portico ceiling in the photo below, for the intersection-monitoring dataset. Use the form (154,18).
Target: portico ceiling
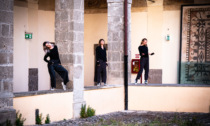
(102,4)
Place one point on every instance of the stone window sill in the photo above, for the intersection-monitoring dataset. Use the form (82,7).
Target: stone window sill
(34,93)
(89,88)
(170,85)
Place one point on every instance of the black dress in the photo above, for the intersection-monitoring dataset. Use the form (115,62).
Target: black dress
(101,59)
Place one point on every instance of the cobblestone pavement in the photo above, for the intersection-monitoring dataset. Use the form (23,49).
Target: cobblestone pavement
(140,118)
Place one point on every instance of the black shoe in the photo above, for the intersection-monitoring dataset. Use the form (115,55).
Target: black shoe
(136,82)
(146,82)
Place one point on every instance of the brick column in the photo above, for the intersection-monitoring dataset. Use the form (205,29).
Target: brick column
(116,41)
(69,36)
(6,61)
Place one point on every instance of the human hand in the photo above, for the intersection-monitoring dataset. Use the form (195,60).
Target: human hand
(98,63)
(51,63)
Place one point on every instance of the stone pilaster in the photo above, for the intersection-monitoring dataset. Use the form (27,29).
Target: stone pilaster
(129,40)
(6,61)
(116,41)
(69,36)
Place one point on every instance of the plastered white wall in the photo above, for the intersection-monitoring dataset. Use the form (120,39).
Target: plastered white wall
(29,53)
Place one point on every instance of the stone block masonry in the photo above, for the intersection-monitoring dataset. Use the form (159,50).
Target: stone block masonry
(6,61)
(33,79)
(69,36)
(116,41)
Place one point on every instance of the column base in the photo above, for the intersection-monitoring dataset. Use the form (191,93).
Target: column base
(77,108)
(7,116)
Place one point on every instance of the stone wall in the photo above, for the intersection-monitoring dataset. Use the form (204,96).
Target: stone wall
(6,61)
(33,79)
(116,41)
(69,36)
(155,76)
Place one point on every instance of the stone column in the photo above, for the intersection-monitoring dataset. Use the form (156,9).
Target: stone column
(116,41)
(6,61)
(69,36)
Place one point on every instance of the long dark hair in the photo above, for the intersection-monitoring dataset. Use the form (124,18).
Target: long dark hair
(143,41)
(99,42)
(45,48)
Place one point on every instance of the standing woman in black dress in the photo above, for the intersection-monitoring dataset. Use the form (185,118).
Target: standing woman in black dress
(54,64)
(101,62)
(144,61)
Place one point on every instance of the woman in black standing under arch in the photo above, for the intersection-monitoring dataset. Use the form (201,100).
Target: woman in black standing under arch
(144,61)
(101,62)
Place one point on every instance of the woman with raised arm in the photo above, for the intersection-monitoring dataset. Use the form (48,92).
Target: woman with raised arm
(144,61)
(54,64)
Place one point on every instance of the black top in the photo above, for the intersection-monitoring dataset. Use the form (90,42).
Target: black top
(101,54)
(143,49)
(54,56)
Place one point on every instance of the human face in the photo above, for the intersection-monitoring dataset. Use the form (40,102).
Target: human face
(102,42)
(49,45)
(145,42)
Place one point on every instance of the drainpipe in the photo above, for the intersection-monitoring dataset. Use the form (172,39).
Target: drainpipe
(126,52)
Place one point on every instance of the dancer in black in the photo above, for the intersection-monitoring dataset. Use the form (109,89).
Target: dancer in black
(101,61)
(54,64)
(144,61)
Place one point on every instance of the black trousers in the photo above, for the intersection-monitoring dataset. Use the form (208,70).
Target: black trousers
(144,64)
(101,70)
(60,70)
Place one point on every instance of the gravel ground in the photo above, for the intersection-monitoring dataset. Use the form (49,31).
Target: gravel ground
(140,118)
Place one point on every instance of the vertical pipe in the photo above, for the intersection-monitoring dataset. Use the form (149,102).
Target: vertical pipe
(180,47)
(126,52)
(126,27)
